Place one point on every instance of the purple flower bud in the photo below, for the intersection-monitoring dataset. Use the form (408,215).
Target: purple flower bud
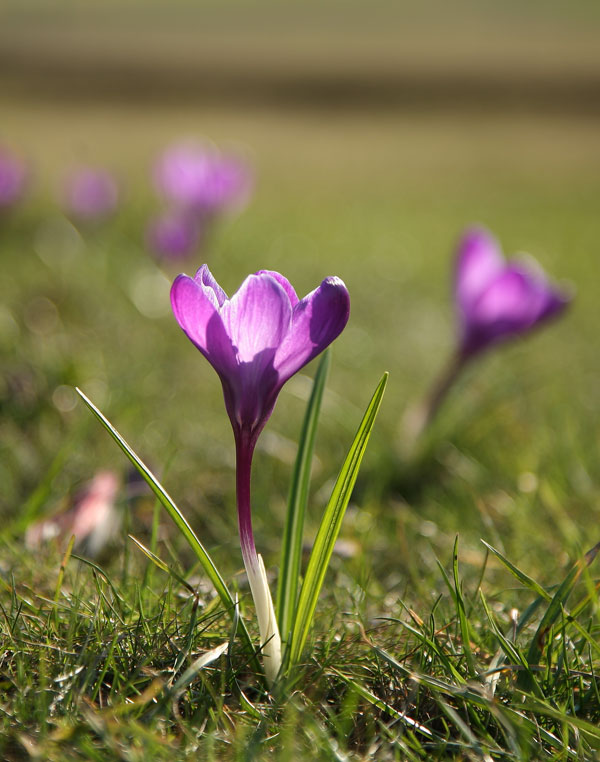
(13,178)
(496,299)
(90,194)
(174,235)
(197,177)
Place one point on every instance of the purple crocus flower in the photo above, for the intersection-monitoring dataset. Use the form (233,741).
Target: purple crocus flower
(498,300)
(197,177)
(90,194)
(174,235)
(256,341)
(13,178)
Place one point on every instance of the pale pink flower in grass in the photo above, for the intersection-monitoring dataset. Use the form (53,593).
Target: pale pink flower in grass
(93,519)
(256,341)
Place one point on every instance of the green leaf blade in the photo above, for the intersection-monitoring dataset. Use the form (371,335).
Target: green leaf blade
(175,514)
(330,526)
(291,551)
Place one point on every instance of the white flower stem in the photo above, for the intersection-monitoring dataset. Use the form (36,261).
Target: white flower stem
(270,639)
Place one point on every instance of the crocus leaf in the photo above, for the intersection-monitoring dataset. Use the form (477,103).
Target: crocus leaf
(174,512)
(291,550)
(330,527)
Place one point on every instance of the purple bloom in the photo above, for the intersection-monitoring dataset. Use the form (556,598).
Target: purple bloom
(496,299)
(259,338)
(90,194)
(174,235)
(196,177)
(256,341)
(13,178)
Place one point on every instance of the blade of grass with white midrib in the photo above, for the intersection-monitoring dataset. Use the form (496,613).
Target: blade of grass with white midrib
(174,512)
(291,550)
(329,528)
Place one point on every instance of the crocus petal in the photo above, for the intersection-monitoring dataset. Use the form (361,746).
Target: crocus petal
(205,278)
(547,300)
(515,302)
(479,261)
(284,283)
(317,320)
(194,304)
(509,301)
(257,317)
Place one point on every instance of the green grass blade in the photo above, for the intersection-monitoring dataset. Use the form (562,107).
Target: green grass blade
(291,550)
(157,561)
(462,614)
(551,614)
(510,650)
(204,660)
(557,604)
(330,527)
(175,514)
(366,694)
(523,578)
(429,643)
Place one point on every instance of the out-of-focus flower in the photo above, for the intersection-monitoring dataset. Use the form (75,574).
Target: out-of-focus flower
(174,235)
(200,178)
(90,194)
(93,519)
(496,299)
(14,175)
(256,341)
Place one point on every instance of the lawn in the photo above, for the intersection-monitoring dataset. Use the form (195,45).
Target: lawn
(400,662)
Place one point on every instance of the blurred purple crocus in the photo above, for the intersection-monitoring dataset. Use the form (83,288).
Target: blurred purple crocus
(174,235)
(197,177)
(14,175)
(256,341)
(496,300)
(90,194)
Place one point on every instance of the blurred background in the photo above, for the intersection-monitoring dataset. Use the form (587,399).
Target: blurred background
(375,132)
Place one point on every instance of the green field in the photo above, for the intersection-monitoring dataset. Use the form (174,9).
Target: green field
(378,196)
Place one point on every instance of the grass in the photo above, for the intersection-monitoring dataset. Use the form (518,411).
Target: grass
(423,646)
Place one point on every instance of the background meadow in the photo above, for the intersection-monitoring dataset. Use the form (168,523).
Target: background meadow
(375,138)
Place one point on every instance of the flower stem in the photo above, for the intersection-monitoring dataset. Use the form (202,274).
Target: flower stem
(442,386)
(244,450)
(418,418)
(255,569)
